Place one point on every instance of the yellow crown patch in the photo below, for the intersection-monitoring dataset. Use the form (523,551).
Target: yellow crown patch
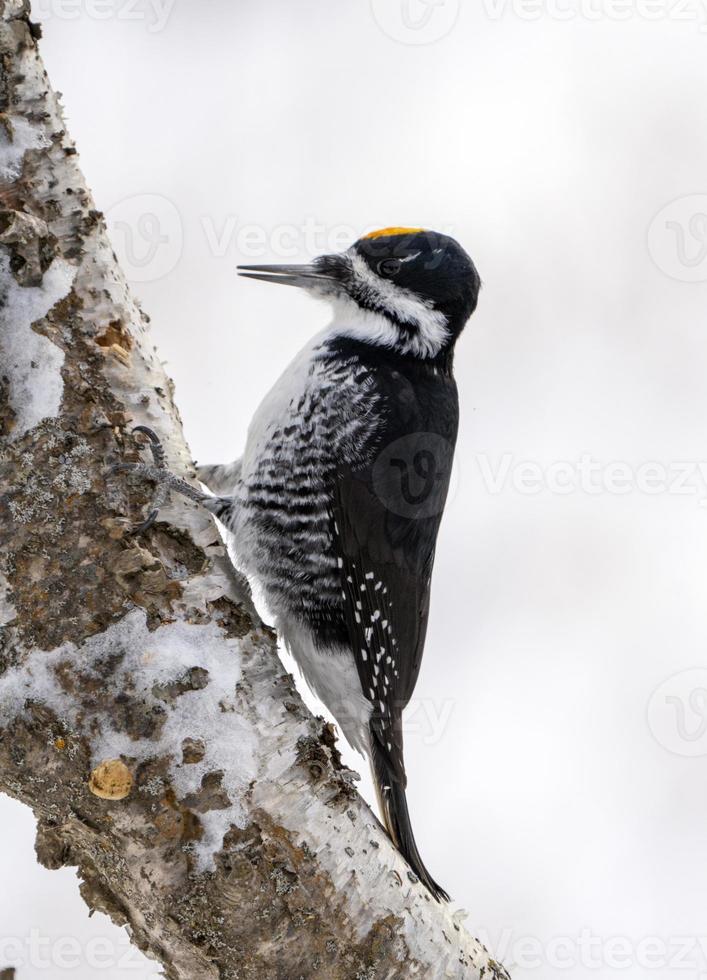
(385,232)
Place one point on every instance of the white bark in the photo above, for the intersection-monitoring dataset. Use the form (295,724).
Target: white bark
(144,715)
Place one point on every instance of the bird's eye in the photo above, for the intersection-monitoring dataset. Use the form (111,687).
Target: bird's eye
(389,267)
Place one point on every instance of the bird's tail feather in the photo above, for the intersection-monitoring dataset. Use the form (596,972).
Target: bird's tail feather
(393,806)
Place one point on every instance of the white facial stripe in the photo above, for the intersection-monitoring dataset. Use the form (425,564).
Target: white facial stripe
(351,320)
(431,333)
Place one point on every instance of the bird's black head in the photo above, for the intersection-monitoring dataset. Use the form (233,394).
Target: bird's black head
(403,264)
(408,289)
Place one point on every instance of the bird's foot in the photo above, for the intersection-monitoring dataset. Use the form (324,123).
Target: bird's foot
(165,481)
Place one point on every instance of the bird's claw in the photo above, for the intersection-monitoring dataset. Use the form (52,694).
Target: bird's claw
(155,445)
(146,524)
(158,474)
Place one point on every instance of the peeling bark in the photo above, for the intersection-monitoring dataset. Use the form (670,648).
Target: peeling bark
(144,714)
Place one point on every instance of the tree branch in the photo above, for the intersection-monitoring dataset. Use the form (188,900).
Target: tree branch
(144,714)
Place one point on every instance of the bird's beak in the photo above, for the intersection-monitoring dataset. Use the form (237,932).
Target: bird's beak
(289,275)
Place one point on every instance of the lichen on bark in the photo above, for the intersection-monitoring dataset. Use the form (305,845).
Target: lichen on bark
(146,718)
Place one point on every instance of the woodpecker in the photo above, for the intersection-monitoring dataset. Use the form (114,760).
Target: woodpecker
(335,505)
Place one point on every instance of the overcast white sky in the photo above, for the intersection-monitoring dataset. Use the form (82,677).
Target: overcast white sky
(557,751)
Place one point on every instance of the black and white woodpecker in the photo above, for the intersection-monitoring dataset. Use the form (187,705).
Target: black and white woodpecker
(334,507)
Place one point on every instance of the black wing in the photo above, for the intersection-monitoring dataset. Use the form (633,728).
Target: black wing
(387,512)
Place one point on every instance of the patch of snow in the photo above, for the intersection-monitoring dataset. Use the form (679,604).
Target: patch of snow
(7,610)
(32,362)
(147,661)
(25,137)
